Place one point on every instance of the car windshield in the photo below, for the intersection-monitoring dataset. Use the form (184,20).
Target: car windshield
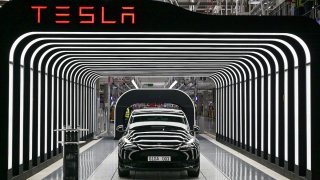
(162,118)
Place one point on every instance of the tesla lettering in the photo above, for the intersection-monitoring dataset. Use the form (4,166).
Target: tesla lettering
(38,8)
(86,15)
(63,13)
(82,13)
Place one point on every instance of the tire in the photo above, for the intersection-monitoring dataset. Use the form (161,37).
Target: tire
(194,172)
(123,172)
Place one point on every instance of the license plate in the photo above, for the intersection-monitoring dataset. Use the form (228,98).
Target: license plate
(159,158)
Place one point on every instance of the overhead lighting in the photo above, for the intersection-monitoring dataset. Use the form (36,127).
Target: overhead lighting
(173,84)
(254,2)
(134,83)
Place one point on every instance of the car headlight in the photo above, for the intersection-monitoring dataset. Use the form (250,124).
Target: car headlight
(127,141)
(192,140)
(189,144)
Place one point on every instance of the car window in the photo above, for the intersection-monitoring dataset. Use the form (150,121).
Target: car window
(178,119)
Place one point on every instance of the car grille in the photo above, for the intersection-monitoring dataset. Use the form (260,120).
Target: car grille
(159,139)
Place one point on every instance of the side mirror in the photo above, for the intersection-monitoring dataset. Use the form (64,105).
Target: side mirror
(120,128)
(196,129)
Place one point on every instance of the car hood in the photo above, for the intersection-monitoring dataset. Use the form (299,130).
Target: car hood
(157,123)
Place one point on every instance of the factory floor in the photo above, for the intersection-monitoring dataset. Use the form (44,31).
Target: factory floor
(99,160)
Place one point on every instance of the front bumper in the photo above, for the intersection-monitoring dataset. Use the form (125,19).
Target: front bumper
(134,159)
(159,166)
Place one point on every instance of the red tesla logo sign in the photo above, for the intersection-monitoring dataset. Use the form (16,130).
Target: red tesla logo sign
(86,15)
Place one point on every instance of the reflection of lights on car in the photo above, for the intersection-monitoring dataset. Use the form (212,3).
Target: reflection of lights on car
(158,138)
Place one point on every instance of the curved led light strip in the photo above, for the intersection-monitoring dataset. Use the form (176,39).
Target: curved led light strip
(296,38)
(227,88)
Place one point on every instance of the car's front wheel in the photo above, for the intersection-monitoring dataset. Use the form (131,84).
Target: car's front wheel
(194,172)
(123,172)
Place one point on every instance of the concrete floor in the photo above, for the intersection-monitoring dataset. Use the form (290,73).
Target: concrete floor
(99,161)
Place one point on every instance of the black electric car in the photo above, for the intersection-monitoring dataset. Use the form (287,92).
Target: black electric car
(158,139)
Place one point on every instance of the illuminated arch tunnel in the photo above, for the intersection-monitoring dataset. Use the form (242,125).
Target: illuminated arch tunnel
(265,90)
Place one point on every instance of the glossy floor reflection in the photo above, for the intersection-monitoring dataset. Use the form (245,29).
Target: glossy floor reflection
(108,170)
(232,166)
(100,162)
(89,159)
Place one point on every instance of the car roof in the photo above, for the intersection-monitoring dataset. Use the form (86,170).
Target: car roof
(157,111)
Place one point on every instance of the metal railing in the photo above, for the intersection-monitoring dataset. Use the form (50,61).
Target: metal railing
(284,9)
(314,12)
(310,9)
